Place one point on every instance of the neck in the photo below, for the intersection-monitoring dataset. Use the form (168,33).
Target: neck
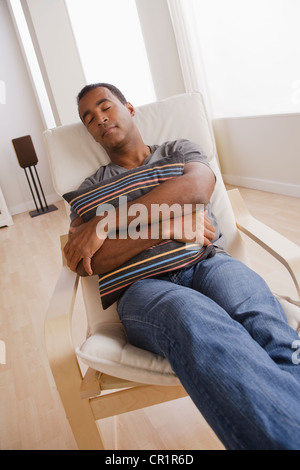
(131,156)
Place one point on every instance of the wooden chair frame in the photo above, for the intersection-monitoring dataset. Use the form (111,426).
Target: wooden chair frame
(97,396)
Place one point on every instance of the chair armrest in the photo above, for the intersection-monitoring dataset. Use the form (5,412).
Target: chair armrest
(285,251)
(64,363)
(58,337)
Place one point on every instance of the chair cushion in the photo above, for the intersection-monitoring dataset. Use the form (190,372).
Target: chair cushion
(108,351)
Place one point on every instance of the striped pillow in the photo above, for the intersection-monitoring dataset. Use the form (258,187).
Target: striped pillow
(166,256)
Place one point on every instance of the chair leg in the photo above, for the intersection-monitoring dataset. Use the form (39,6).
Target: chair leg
(68,380)
(78,410)
(83,425)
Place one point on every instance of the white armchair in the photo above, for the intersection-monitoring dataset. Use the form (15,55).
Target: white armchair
(144,378)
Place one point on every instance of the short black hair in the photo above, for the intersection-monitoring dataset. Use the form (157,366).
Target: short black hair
(115,91)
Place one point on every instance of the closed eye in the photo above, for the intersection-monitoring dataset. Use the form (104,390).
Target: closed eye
(91,120)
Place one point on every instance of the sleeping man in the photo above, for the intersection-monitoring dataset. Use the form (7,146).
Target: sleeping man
(215,320)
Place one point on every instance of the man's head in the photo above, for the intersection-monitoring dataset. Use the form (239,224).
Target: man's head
(107,116)
(115,91)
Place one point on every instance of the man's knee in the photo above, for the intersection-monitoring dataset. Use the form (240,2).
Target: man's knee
(165,307)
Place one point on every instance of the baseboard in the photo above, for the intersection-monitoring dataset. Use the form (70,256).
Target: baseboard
(29,205)
(276,187)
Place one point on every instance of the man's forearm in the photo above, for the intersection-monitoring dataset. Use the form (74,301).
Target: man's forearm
(115,252)
(193,187)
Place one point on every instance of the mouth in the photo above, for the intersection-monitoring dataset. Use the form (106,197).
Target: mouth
(108,130)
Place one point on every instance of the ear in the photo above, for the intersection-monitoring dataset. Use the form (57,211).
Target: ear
(130,108)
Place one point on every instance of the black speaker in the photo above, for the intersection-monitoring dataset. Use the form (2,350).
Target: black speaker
(25,151)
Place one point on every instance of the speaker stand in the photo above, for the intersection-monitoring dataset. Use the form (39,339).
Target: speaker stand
(43,207)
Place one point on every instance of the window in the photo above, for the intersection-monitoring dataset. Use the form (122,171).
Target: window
(30,55)
(111,46)
(250,51)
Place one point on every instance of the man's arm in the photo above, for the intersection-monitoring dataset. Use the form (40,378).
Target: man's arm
(195,186)
(115,252)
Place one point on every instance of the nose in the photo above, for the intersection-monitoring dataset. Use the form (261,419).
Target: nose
(102,119)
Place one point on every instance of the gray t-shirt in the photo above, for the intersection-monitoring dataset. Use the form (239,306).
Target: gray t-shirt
(190,150)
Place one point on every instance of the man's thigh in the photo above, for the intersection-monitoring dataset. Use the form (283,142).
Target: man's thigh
(145,310)
(158,313)
(233,286)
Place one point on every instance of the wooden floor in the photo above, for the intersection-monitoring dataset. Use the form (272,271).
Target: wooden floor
(31,415)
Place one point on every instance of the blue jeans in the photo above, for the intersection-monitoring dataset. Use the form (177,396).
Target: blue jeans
(227,339)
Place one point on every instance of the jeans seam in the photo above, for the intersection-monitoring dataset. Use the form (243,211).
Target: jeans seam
(163,331)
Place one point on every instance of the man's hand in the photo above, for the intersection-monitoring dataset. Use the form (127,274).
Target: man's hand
(195,227)
(209,230)
(83,243)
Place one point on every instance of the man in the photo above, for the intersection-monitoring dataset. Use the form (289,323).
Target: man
(222,330)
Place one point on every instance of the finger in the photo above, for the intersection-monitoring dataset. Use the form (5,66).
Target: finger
(66,248)
(69,254)
(206,242)
(209,229)
(209,235)
(208,222)
(87,264)
(73,261)
(72,229)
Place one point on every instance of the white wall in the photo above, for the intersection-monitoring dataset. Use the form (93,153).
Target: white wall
(19,116)
(261,152)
